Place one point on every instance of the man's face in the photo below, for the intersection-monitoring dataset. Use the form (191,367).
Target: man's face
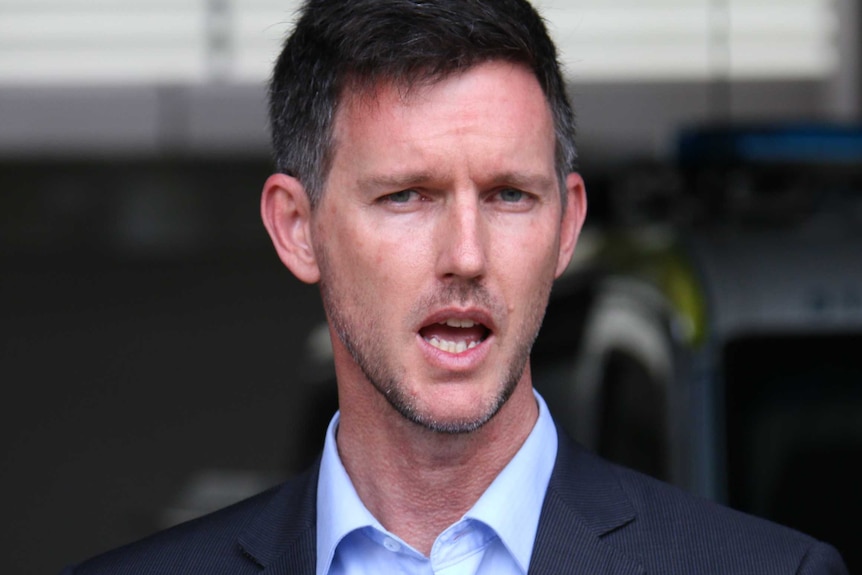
(438,238)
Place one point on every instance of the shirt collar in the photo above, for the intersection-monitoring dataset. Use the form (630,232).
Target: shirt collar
(339,509)
(513,502)
(510,506)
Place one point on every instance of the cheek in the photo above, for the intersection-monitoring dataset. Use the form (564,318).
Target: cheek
(371,259)
(393,249)
(395,268)
(531,251)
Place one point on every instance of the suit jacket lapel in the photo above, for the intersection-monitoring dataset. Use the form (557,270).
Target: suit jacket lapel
(282,538)
(584,502)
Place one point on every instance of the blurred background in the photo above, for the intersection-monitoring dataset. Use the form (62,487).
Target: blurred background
(157,361)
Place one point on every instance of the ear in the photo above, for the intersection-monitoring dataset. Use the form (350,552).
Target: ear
(573,220)
(286,212)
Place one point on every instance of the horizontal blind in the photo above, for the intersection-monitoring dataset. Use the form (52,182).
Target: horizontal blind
(140,41)
(236,41)
(694,39)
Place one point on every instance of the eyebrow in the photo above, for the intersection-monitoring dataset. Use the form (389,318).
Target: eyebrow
(394,181)
(526,181)
(521,180)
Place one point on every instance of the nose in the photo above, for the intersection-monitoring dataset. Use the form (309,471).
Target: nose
(462,239)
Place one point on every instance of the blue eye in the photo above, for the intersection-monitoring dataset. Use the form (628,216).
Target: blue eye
(401,197)
(511,195)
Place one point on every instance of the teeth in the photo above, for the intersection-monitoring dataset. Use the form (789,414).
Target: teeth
(455,322)
(452,346)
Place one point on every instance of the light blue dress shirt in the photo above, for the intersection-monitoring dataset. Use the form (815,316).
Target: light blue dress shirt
(495,537)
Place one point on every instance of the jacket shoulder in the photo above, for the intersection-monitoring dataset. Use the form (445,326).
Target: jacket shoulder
(211,544)
(668,530)
(692,532)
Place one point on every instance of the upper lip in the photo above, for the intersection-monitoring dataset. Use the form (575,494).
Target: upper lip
(480,316)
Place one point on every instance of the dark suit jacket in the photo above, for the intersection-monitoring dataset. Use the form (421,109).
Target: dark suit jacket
(597,519)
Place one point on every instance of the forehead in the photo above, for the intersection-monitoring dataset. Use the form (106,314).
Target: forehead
(496,105)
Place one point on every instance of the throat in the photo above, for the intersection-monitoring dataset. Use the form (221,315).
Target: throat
(418,502)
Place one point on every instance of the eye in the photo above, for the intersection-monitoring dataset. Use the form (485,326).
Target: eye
(511,195)
(401,197)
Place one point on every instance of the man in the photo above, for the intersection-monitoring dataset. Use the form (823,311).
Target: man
(426,181)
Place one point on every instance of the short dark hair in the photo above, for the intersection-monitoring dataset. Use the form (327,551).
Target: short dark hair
(342,44)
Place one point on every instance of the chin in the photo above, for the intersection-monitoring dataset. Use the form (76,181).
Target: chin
(463,416)
(452,426)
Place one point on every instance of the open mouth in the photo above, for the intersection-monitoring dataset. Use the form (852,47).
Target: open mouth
(455,335)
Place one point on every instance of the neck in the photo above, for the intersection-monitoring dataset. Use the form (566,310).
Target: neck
(418,482)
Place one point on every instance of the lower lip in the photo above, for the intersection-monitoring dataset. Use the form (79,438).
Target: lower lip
(455,362)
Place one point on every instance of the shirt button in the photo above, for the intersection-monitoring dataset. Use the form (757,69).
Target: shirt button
(391,544)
